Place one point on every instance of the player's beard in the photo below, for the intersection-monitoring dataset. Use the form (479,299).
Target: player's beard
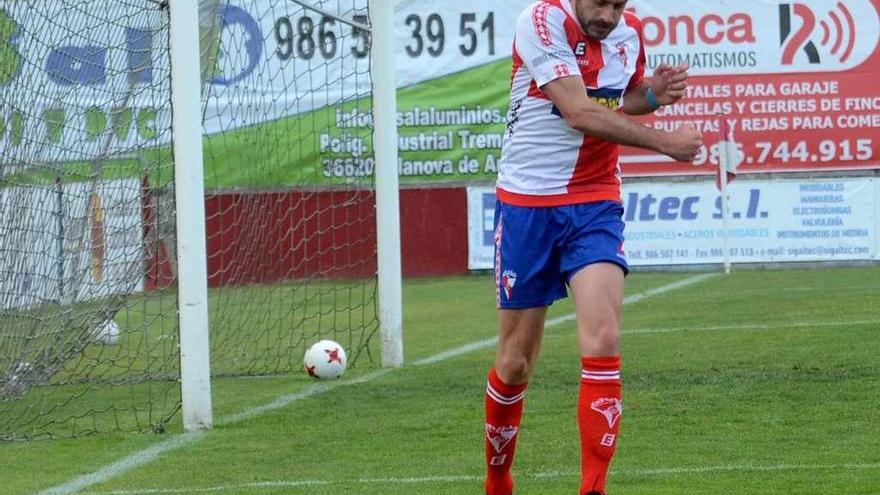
(594,28)
(598,30)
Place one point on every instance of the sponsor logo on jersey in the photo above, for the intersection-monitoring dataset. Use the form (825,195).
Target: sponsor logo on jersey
(513,116)
(554,56)
(609,98)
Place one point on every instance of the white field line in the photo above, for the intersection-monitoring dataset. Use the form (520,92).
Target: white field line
(149,454)
(750,326)
(755,326)
(271,485)
(553,322)
(849,288)
(124,465)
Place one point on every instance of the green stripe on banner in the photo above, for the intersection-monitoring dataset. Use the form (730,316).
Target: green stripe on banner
(450,130)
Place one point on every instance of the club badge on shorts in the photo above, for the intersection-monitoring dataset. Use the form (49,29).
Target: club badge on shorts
(508,280)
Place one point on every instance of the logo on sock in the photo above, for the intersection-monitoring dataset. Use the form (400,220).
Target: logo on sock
(610,407)
(500,436)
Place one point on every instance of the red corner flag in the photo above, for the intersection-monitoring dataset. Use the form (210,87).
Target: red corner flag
(729,156)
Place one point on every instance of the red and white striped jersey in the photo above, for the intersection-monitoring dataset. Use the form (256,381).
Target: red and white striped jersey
(544,162)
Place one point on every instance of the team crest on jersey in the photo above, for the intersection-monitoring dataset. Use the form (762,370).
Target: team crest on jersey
(609,407)
(508,281)
(623,53)
(500,436)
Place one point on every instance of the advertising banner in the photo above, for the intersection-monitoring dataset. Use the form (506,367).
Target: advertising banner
(795,79)
(680,223)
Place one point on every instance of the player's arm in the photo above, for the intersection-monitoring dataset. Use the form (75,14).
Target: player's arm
(580,112)
(667,87)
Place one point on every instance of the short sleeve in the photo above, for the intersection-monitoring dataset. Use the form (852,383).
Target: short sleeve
(542,44)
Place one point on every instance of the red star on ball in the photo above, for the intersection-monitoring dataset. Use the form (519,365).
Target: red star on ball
(333,355)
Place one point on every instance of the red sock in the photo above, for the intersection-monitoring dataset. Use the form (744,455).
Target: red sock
(504,408)
(599,410)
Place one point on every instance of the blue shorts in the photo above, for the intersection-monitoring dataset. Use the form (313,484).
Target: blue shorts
(538,250)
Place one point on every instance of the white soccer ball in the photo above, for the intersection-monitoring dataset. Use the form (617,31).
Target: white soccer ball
(325,360)
(107,332)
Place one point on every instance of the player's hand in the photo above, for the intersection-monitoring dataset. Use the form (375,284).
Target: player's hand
(669,83)
(683,143)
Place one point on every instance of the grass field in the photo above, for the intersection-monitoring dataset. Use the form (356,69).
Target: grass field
(761,382)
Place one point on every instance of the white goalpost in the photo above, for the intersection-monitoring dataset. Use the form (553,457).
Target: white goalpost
(387,190)
(189,192)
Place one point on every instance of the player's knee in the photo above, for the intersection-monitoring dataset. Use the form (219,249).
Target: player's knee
(608,339)
(513,369)
(605,339)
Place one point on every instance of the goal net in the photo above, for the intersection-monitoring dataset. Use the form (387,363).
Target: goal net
(88,301)
(292,241)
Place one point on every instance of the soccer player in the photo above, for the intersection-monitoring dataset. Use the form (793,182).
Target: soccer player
(578,71)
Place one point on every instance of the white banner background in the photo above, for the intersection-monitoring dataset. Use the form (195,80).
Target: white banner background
(773,221)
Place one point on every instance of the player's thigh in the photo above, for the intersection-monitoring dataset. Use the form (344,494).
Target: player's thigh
(597,290)
(595,265)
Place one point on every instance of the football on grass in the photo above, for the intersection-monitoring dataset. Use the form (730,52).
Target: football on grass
(325,360)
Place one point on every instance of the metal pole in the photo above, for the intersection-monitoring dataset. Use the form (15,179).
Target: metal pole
(724,161)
